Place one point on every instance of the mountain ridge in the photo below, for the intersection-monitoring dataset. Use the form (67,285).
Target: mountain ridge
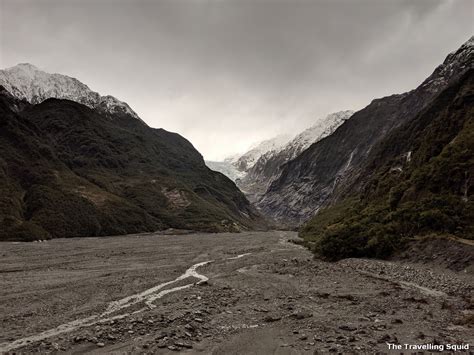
(420,188)
(268,167)
(68,170)
(317,177)
(26,81)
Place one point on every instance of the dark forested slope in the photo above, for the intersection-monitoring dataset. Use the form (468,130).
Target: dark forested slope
(68,170)
(417,181)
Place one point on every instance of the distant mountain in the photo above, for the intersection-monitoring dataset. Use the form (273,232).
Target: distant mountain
(74,170)
(256,169)
(25,81)
(417,181)
(321,129)
(226,168)
(247,160)
(268,166)
(326,171)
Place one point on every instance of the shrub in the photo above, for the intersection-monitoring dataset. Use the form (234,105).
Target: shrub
(28,232)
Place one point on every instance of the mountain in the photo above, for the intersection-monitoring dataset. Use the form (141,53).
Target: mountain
(226,168)
(247,160)
(318,131)
(72,170)
(416,182)
(235,167)
(267,168)
(323,173)
(25,81)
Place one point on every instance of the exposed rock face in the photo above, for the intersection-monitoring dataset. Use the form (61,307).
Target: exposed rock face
(268,167)
(246,161)
(318,175)
(25,81)
(417,182)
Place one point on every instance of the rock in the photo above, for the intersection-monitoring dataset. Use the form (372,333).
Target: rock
(303,337)
(160,336)
(199,320)
(100,345)
(301,315)
(347,327)
(271,318)
(397,321)
(384,338)
(173,348)
(161,344)
(183,345)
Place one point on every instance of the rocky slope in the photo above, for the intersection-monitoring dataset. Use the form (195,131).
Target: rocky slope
(319,175)
(235,167)
(268,166)
(247,160)
(25,81)
(421,187)
(67,170)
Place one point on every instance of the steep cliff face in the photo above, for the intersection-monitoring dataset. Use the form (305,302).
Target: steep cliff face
(417,181)
(268,166)
(67,170)
(319,175)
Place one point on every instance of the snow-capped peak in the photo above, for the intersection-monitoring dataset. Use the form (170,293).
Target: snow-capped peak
(25,81)
(287,147)
(247,160)
(455,64)
(321,129)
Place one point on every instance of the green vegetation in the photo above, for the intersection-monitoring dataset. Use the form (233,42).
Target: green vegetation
(69,171)
(426,191)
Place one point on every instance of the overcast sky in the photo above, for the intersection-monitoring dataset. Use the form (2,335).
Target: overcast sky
(228,73)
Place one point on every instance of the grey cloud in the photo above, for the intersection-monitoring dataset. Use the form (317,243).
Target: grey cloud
(227,73)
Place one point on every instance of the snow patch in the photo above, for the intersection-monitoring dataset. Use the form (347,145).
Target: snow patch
(25,81)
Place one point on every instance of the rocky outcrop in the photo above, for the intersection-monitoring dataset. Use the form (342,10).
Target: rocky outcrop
(319,175)
(268,167)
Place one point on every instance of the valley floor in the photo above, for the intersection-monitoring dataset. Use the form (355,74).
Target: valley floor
(258,294)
